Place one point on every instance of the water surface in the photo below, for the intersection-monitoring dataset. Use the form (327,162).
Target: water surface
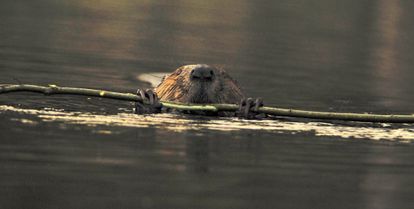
(353,56)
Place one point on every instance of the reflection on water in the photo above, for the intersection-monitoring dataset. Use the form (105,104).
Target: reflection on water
(327,55)
(385,55)
(179,123)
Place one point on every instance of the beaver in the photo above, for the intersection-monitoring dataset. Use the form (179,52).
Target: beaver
(201,84)
(196,83)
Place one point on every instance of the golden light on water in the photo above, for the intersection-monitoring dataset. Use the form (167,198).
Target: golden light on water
(179,123)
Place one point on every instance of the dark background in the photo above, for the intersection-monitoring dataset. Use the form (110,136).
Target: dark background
(323,55)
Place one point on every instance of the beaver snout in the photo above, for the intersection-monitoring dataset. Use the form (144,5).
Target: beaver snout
(202,72)
(199,83)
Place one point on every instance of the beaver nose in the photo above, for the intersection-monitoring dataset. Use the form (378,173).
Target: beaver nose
(202,73)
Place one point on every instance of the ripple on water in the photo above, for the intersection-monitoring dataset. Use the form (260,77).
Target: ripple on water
(180,123)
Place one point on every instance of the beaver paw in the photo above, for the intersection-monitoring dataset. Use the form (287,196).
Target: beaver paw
(246,107)
(150,102)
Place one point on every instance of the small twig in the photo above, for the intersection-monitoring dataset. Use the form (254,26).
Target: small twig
(53,89)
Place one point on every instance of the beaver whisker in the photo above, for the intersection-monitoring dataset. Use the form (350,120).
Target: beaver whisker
(155,76)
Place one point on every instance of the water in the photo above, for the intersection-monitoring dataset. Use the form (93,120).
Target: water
(75,152)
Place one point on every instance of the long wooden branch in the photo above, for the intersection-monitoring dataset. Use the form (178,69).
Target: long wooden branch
(53,89)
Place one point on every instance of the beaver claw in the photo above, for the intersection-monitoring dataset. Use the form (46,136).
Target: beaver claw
(246,107)
(150,102)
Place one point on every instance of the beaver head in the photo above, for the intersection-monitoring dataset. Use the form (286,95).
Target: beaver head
(199,84)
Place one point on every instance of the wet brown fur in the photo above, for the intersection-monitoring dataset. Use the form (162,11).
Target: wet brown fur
(179,87)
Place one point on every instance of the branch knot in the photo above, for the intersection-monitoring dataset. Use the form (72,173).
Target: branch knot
(51,89)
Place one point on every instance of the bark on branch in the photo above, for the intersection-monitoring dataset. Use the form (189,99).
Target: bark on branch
(365,117)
